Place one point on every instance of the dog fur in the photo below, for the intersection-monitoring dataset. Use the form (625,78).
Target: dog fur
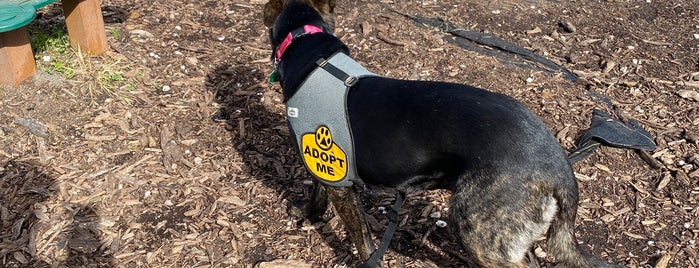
(510,179)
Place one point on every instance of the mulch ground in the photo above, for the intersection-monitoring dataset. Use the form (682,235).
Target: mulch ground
(198,170)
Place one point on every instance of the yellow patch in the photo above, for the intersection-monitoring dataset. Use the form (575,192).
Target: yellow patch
(322,156)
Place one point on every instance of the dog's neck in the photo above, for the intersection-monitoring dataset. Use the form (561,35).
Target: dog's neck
(293,35)
(296,59)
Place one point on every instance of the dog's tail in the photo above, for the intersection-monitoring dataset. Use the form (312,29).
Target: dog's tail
(561,240)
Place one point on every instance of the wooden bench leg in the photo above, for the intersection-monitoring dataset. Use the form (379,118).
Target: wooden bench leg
(85,25)
(16,57)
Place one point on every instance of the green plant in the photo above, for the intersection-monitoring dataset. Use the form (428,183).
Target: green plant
(53,40)
(52,50)
(115,32)
(107,77)
(98,77)
(62,68)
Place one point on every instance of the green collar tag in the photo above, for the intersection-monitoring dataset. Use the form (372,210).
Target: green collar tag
(274,77)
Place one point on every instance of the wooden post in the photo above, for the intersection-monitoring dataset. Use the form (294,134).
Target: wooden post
(16,57)
(85,25)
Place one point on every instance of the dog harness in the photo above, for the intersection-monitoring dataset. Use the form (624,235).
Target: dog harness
(317,113)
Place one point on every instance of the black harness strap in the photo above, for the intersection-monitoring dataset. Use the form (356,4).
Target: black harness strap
(337,73)
(387,235)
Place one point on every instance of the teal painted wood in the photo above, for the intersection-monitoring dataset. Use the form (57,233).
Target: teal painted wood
(15,14)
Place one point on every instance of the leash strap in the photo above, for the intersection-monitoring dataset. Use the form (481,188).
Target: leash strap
(387,235)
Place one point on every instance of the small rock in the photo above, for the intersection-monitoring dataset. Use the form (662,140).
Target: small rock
(142,33)
(441,223)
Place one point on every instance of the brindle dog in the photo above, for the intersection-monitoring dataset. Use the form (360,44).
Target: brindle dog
(510,179)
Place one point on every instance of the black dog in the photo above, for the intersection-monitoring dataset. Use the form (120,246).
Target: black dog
(510,178)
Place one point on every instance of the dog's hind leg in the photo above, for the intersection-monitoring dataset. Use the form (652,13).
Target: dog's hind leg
(498,224)
(347,205)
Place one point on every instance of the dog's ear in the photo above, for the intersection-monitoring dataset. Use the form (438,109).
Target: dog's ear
(271,11)
(324,7)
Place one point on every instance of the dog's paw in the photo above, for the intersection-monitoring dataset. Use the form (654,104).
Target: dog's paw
(304,210)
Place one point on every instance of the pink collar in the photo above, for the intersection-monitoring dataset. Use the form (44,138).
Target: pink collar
(306,29)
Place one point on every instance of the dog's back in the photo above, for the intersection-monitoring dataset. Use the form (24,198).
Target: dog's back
(435,131)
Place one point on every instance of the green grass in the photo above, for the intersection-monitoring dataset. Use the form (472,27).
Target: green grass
(54,45)
(98,77)
(55,39)
(115,32)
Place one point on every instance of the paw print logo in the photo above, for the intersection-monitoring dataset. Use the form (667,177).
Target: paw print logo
(323,138)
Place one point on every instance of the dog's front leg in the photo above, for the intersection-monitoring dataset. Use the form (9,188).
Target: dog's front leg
(347,205)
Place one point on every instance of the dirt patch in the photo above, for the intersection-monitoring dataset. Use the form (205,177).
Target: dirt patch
(199,173)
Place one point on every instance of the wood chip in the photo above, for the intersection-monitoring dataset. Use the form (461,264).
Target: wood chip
(34,126)
(100,138)
(607,218)
(389,40)
(20,257)
(657,43)
(282,263)
(583,178)
(663,261)
(366,28)
(689,94)
(635,236)
(622,211)
(639,189)
(536,30)
(608,66)
(663,182)
(602,167)
(234,200)
(648,222)
(568,26)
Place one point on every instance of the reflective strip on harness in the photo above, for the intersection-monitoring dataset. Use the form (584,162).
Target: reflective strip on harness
(318,117)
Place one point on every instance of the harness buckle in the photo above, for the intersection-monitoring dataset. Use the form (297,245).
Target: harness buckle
(350,81)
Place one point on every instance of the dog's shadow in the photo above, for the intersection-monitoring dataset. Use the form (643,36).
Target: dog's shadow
(25,189)
(253,114)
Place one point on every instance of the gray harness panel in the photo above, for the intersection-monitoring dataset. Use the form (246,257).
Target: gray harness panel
(318,117)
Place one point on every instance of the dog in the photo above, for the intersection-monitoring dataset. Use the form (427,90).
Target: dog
(510,179)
